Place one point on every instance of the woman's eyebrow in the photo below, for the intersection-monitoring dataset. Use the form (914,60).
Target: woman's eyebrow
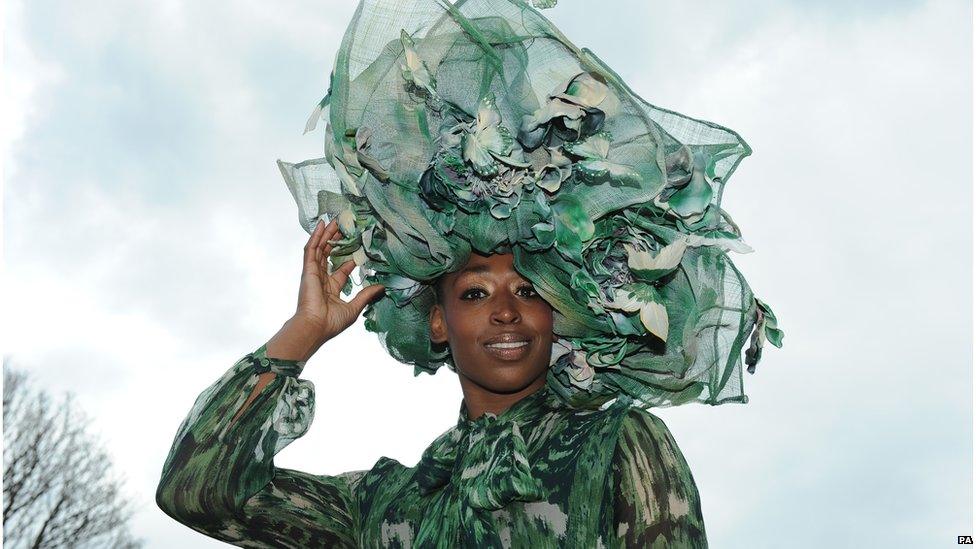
(474,269)
(483,269)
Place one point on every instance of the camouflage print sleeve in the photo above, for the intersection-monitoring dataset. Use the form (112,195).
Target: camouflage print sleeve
(656,501)
(220,479)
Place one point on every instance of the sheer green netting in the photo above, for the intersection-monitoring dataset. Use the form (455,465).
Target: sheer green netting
(478,126)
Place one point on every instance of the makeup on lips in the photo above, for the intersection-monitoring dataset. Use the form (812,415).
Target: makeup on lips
(509,346)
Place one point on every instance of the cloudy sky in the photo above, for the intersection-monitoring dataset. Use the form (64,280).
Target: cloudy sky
(149,241)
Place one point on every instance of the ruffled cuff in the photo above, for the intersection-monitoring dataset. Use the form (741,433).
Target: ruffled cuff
(279,414)
(261,363)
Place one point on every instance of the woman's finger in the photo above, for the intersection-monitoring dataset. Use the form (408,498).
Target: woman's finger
(341,275)
(324,265)
(325,245)
(324,259)
(312,245)
(367,294)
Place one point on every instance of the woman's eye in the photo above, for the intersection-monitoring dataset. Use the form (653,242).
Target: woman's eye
(473,293)
(528,291)
(478,293)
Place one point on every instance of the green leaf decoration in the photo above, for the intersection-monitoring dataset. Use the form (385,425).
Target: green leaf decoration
(585,90)
(572,216)
(501,210)
(579,105)
(414,69)
(765,330)
(551,175)
(643,298)
(693,198)
(596,147)
(773,334)
(595,167)
(626,325)
(487,139)
(648,266)
(534,126)
(586,290)
(545,234)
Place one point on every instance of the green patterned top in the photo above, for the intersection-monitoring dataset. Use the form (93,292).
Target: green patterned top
(541,474)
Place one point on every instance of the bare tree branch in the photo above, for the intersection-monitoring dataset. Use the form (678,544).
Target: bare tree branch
(58,486)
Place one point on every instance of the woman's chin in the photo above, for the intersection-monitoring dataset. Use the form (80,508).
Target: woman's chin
(508,378)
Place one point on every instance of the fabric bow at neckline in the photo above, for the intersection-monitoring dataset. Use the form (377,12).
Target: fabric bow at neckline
(476,468)
(487,462)
(486,459)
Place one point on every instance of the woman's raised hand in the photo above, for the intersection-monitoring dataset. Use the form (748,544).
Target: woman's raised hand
(318,294)
(321,313)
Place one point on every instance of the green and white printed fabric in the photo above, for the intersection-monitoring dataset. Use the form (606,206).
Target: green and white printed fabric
(541,474)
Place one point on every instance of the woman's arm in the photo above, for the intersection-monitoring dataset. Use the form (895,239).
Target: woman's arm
(220,479)
(656,502)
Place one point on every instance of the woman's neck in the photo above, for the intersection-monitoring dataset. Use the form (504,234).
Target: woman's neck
(478,400)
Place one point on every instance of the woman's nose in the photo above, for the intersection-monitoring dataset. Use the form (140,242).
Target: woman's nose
(506,310)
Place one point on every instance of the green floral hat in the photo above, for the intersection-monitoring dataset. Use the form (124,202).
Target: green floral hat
(478,126)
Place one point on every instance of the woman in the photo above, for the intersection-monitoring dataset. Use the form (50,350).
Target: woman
(525,219)
(556,477)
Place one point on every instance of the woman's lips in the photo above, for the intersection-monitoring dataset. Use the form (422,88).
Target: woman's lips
(508,350)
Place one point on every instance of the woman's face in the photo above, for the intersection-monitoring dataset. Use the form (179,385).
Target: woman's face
(498,328)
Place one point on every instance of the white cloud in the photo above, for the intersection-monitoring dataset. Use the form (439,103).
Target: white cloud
(18,107)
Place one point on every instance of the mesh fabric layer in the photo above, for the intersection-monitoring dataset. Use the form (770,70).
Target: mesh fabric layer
(477,126)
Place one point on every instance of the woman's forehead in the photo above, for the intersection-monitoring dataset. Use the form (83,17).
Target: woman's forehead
(502,263)
(494,260)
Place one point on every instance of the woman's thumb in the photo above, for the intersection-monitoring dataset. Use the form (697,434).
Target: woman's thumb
(365,296)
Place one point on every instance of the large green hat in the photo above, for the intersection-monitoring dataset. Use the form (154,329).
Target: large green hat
(478,126)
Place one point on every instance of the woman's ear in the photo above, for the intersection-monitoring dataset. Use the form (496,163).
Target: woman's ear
(438,331)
